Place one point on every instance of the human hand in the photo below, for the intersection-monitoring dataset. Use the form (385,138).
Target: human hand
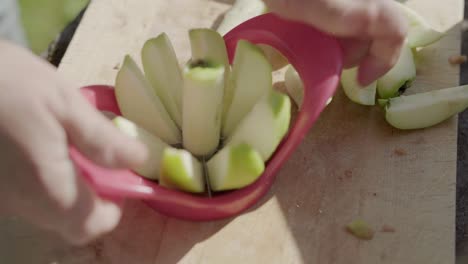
(40,114)
(371,32)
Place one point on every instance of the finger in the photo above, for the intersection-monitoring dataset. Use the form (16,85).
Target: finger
(382,56)
(94,135)
(354,50)
(90,216)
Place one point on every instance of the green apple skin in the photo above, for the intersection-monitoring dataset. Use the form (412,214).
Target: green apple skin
(234,167)
(251,78)
(354,91)
(202,106)
(420,33)
(401,76)
(241,11)
(152,167)
(164,74)
(207,45)
(265,126)
(294,85)
(181,171)
(139,103)
(426,109)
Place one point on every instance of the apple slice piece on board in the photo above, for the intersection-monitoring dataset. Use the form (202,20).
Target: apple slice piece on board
(265,126)
(234,167)
(400,77)
(251,79)
(241,11)
(139,103)
(163,72)
(152,167)
(294,85)
(202,106)
(208,45)
(420,33)
(354,91)
(426,109)
(180,170)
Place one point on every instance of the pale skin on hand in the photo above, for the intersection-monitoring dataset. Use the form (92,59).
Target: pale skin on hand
(40,113)
(371,32)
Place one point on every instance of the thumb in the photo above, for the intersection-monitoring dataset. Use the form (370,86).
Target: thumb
(95,136)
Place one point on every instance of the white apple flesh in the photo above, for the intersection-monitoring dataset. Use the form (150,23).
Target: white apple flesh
(181,171)
(163,72)
(354,91)
(241,11)
(294,85)
(251,78)
(234,167)
(151,168)
(420,33)
(265,126)
(139,103)
(202,106)
(400,77)
(426,109)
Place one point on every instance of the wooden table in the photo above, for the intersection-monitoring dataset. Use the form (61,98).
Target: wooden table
(351,165)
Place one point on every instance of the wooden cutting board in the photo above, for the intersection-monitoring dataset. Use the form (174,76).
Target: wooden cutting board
(351,165)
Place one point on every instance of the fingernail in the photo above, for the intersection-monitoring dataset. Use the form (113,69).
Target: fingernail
(370,70)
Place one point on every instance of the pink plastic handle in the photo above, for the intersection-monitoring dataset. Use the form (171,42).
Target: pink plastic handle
(316,56)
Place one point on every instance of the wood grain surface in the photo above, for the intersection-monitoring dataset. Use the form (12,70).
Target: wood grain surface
(352,165)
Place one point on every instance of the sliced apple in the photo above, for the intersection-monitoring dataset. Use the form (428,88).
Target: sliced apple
(354,91)
(400,77)
(152,167)
(181,171)
(426,109)
(234,167)
(163,72)
(241,11)
(294,85)
(202,106)
(139,103)
(420,33)
(208,45)
(265,126)
(251,78)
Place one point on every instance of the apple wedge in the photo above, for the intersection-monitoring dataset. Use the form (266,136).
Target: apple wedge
(234,167)
(265,126)
(400,77)
(251,78)
(241,11)
(202,106)
(152,167)
(420,33)
(163,72)
(208,45)
(294,85)
(139,103)
(354,91)
(426,109)
(181,171)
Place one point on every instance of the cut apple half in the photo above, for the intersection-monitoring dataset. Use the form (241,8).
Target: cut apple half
(354,91)
(400,77)
(202,107)
(251,79)
(265,126)
(420,33)
(181,170)
(163,72)
(234,167)
(426,109)
(139,103)
(152,167)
